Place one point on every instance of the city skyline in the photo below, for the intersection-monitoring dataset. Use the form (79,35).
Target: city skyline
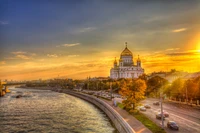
(46,39)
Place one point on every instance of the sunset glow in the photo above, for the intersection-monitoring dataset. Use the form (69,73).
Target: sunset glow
(77,40)
(198,46)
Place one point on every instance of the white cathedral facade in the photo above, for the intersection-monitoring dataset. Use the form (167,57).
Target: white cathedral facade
(126,67)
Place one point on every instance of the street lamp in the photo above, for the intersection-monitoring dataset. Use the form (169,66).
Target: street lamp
(111,89)
(161,97)
(186,93)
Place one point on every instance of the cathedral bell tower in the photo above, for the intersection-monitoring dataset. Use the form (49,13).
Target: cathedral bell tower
(115,63)
(138,62)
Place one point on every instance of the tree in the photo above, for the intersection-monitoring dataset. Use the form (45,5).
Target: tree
(177,88)
(134,92)
(197,81)
(167,90)
(154,84)
(143,77)
(192,88)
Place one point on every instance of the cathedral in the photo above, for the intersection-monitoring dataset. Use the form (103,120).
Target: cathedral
(126,67)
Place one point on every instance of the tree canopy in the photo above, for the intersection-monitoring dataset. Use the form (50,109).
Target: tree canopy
(133,92)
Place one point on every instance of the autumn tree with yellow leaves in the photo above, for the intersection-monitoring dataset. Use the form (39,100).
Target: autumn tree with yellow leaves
(133,91)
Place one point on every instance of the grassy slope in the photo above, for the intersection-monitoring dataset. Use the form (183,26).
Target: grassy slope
(145,121)
(148,123)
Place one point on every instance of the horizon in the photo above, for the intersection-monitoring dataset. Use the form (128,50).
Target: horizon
(49,39)
(63,77)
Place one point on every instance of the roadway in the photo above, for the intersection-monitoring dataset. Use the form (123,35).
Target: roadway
(186,117)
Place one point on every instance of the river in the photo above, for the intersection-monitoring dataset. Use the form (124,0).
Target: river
(46,111)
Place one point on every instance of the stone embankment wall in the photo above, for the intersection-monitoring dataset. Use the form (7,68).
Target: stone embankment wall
(121,125)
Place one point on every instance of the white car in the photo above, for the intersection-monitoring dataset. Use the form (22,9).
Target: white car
(147,106)
(142,108)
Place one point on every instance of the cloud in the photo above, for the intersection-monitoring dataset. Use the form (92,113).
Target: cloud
(41,60)
(72,56)
(3,22)
(86,29)
(2,62)
(52,55)
(69,45)
(10,58)
(179,30)
(182,53)
(18,52)
(21,55)
(172,49)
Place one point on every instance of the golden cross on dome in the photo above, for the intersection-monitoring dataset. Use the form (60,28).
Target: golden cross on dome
(126,44)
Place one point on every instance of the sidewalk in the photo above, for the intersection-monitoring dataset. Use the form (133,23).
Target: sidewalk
(136,125)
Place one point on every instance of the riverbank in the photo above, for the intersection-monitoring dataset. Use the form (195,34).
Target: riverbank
(38,88)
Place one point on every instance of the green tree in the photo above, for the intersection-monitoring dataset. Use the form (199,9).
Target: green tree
(177,88)
(154,85)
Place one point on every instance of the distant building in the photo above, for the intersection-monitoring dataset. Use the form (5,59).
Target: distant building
(160,74)
(171,76)
(126,67)
(98,78)
(192,75)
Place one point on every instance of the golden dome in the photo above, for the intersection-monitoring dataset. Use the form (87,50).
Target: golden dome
(126,52)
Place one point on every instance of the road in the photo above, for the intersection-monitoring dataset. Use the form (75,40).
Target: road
(187,118)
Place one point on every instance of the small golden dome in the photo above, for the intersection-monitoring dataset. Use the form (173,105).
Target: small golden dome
(126,52)
(115,62)
(138,60)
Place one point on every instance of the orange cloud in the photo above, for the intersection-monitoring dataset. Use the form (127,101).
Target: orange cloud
(179,30)
(52,55)
(21,55)
(2,62)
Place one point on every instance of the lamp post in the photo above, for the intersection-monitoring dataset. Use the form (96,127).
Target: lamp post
(186,95)
(111,89)
(162,113)
(161,98)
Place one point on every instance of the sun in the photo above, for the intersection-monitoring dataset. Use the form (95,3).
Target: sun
(198,46)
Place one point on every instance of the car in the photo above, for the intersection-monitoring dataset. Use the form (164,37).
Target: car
(165,113)
(156,103)
(147,106)
(172,125)
(142,108)
(158,116)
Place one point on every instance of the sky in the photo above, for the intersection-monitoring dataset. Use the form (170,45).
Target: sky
(42,39)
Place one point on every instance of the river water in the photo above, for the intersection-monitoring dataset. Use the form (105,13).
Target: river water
(45,111)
